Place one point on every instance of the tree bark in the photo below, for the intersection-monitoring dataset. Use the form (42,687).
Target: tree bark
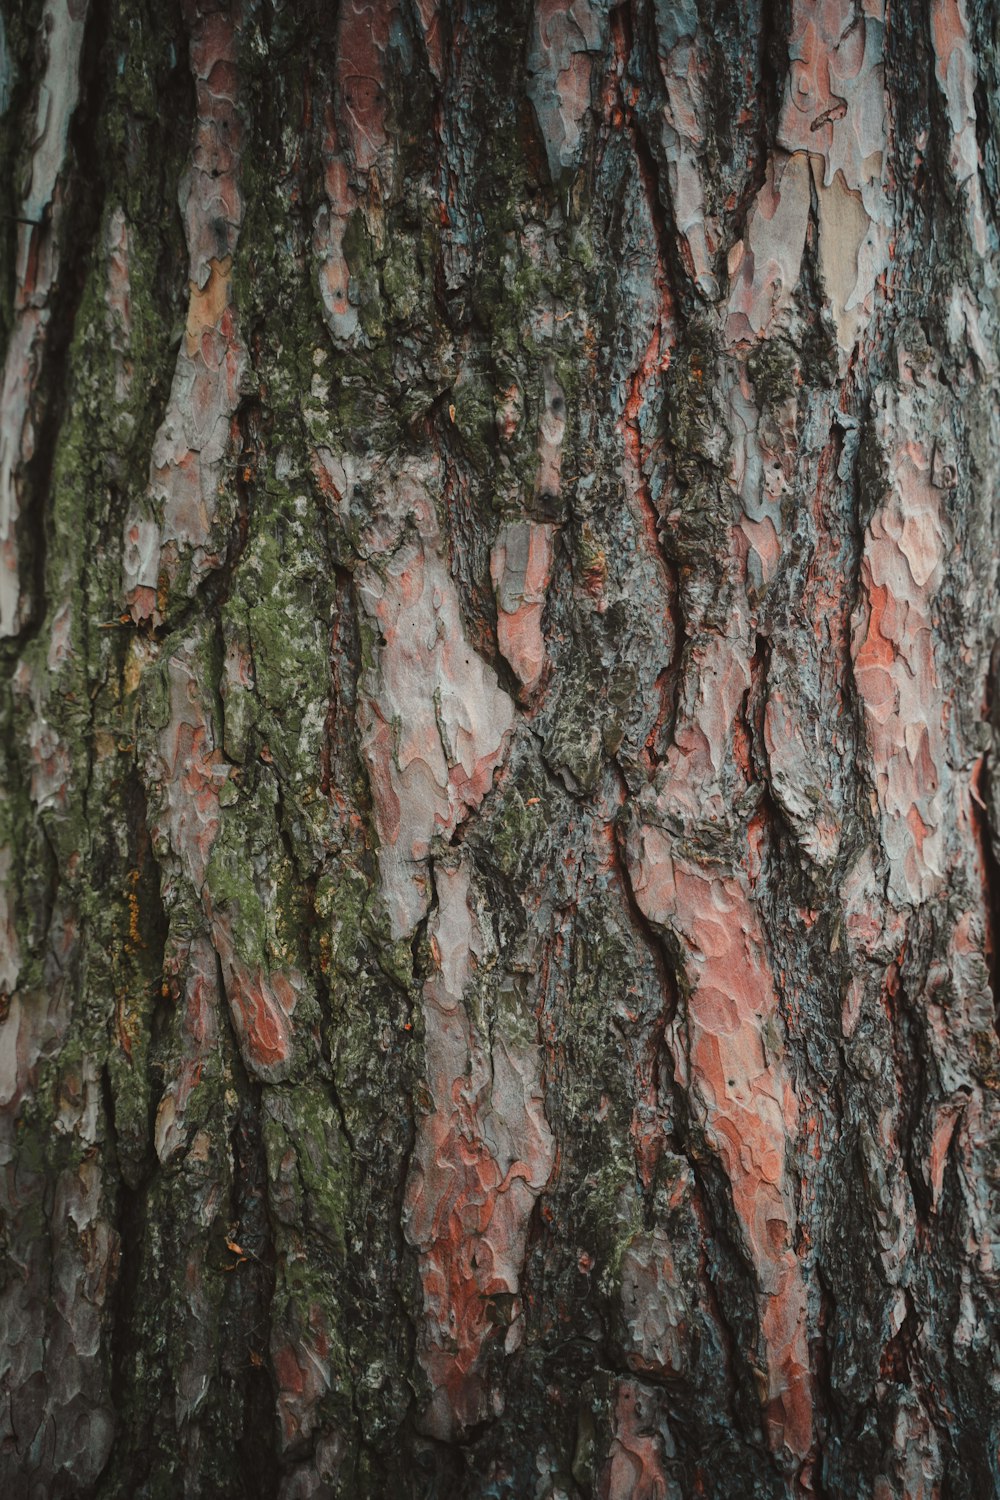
(498,845)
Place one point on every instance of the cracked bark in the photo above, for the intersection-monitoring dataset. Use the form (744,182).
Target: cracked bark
(499,825)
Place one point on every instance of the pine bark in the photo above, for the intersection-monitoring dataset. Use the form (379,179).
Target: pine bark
(498,836)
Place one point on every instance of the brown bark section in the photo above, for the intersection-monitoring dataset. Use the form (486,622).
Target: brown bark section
(498,841)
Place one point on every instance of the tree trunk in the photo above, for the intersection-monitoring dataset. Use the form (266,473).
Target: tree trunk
(498,851)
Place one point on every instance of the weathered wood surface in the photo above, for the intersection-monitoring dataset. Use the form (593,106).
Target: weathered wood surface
(498,885)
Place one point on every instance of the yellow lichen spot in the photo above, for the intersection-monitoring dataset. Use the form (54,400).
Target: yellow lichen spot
(134,935)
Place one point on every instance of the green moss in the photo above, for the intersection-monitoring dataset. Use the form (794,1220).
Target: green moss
(690,414)
(404,281)
(365,287)
(773,367)
(613,1217)
(474,419)
(341,901)
(308,1160)
(229,878)
(574,736)
(519,823)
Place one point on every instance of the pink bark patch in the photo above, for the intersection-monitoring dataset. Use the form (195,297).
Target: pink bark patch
(362,40)
(896,672)
(747,1109)
(634,1470)
(947,1117)
(482,1156)
(302,1371)
(430,22)
(261,1023)
(434,722)
(521,567)
(191,446)
(260,1002)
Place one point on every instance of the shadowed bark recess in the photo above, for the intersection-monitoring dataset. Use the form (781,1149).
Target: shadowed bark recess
(499,820)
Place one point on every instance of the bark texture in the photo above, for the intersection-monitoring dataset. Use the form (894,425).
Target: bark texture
(498,843)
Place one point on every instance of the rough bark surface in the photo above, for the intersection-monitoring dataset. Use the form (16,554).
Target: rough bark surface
(498,837)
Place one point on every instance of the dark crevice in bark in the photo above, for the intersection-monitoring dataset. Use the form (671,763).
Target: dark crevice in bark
(654,187)
(676,669)
(673,275)
(659,738)
(656,193)
(244,1354)
(896,1358)
(129,1229)
(245,1324)
(419,945)
(752,709)
(416,29)
(989,843)
(442,1468)
(20,83)
(823,1387)
(779,842)
(703,1170)
(558,777)
(151,919)
(341,774)
(773,63)
(867,484)
(941,196)
(717,1249)
(914,1085)
(36,867)
(986,131)
(985,804)
(468,551)
(640,923)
